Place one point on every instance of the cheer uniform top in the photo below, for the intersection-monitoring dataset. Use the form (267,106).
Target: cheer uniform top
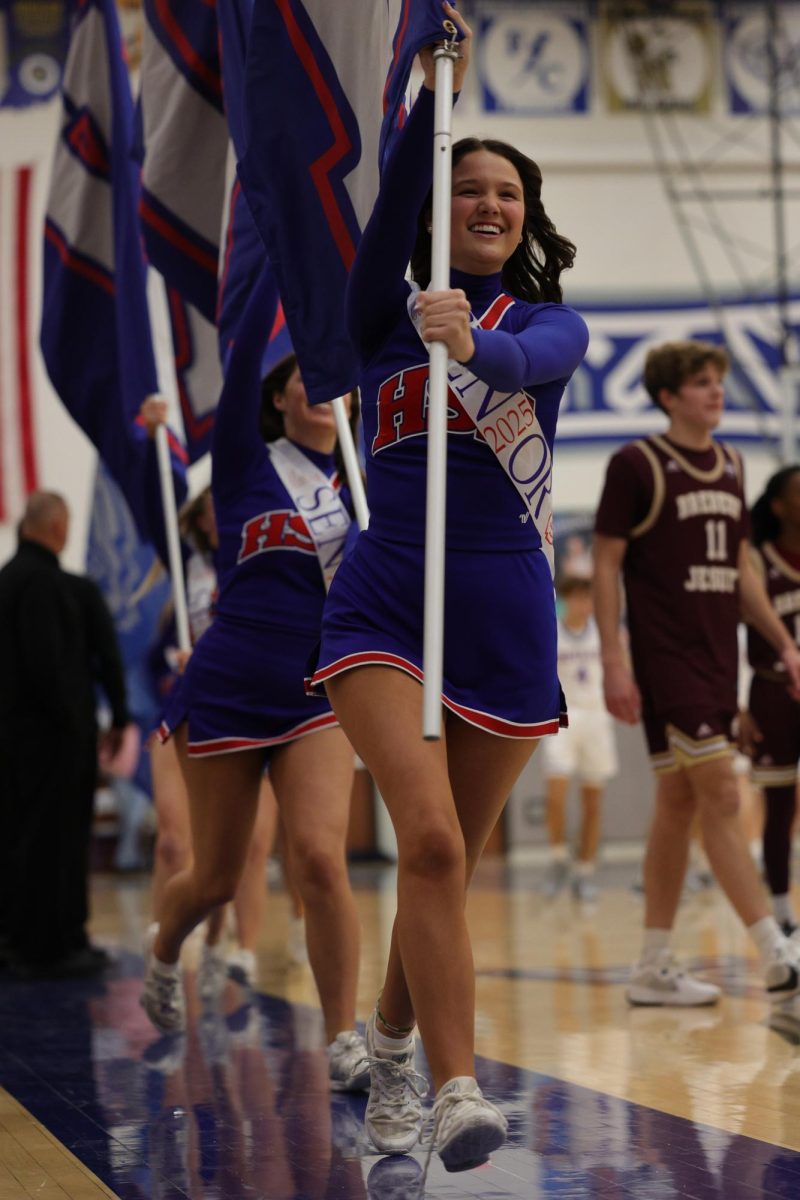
(776,713)
(243,685)
(684,516)
(500,640)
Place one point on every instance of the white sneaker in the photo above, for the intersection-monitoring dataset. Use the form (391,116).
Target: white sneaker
(296,942)
(212,971)
(394,1110)
(162,996)
(242,967)
(584,889)
(782,976)
(348,1068)
(466,1126)
(556,878)
(665,982)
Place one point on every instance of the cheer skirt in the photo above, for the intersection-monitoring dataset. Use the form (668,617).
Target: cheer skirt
(243,690)
(500,670)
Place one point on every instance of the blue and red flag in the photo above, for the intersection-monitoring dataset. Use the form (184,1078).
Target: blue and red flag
(95,332)
(325,90)
(191,117)
(185,144)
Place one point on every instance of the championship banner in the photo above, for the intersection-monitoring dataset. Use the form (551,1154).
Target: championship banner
(606,399)
(533,59)
(747,54)
(34,35)
(657,61)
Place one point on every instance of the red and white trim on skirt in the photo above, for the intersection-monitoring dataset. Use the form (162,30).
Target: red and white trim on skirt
(483,720)
(231,744)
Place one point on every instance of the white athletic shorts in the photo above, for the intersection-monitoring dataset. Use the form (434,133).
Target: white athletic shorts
(587,749)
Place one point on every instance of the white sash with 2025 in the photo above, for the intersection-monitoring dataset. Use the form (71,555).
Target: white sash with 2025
(507,421)
(316,500)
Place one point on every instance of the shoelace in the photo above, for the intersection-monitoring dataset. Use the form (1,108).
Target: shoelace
(394,1077)
(166,992)
(443,1104)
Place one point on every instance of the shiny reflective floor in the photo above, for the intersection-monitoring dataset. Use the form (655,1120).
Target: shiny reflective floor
(603,1102)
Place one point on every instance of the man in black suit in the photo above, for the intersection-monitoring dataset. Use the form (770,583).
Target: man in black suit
(57,642)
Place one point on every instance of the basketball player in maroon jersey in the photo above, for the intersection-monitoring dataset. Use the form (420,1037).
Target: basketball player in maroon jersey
(672,519)
(773,713)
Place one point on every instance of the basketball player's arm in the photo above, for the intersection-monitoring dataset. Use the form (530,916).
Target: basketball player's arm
(621,694)
(758,611)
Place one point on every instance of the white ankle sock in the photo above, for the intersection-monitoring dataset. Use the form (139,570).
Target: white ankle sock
(385,1046)
(653,942)
(162,968)
(767,936)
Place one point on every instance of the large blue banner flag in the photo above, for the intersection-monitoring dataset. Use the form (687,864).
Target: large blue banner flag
(95,326)
(191,116)
(185,138)
(325,88)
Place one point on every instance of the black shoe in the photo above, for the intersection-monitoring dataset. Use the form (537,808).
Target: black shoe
(80,964)
(99,954)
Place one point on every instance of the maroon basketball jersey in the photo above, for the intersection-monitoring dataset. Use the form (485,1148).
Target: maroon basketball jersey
(782,581)
(681,570)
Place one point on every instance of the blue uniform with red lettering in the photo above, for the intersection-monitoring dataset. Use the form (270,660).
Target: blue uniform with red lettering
(243,686)
(500,623)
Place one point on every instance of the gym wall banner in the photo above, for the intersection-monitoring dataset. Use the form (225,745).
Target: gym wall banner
(657,61)
(34,35)
(532,59)
(606,398)
(747,58)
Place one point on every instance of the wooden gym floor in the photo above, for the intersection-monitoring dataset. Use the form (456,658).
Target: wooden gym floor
(603,1101)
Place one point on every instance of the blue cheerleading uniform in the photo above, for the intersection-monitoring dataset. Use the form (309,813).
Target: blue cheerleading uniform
(500,623)
(243,685)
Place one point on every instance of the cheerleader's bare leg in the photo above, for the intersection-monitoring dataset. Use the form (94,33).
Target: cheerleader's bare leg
(313,779)
(223,799)
(380,710)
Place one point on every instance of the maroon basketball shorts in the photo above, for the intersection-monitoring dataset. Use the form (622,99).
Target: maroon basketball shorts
(686,737)
(778,718)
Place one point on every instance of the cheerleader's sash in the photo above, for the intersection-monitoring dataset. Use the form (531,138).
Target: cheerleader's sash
(316,500)
(508,424)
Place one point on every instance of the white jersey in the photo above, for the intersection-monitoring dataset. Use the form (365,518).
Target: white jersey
(579,666)
(201,587)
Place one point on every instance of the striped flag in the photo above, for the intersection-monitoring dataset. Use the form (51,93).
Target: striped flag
(191,203)
(325,89)
(185,143)
(18,252)
(95,332)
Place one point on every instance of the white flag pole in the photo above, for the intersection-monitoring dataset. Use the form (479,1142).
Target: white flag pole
(433,638)
(173,538)
(351,464)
